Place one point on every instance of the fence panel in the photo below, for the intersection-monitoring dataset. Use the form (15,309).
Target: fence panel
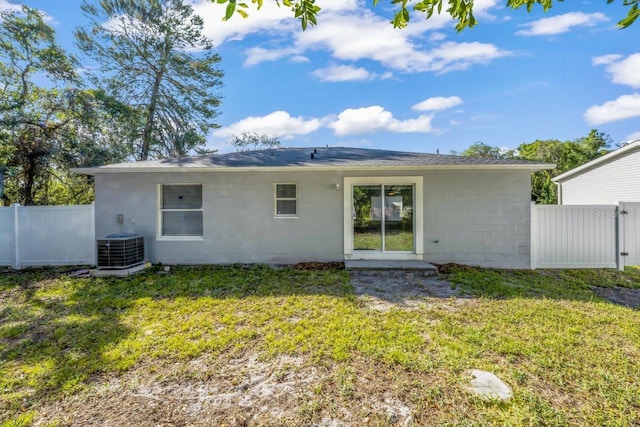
(7,244)
(573,236)
(631,233)
(49,235)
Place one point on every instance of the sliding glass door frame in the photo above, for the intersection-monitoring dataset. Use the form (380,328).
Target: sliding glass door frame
(350,252)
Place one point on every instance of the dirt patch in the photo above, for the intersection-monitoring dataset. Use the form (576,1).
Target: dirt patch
(385,289)
(619,295)
(243,392)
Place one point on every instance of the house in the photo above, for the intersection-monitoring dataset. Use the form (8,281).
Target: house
(288,205)
(606,180)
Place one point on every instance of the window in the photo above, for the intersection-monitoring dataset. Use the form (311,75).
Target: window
(286,200)
(181,210)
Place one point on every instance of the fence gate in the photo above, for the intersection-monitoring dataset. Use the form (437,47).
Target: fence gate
(630,233)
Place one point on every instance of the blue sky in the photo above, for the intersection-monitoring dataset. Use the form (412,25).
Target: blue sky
(355,81)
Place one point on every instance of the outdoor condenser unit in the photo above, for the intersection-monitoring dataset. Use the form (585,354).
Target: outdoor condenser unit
(121,250)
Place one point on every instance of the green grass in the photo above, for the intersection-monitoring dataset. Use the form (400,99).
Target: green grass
(395,241)
(571,358)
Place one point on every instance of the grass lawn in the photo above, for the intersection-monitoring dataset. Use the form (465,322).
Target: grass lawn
(395,241)
(232,345)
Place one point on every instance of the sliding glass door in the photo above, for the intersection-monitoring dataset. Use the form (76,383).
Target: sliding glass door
(383,218)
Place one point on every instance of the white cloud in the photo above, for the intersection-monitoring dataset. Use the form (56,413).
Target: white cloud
(351,38)
(605,59)
(635,136)
(5,5)
(623,71)
(377,119)
(270,19)
(437,36)
(344,73)
(299,59)
(626,106)
(562,23)
(278,123)
(437,103)
(256,55)
(13,7)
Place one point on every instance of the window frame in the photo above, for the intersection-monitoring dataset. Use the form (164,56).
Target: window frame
(159,235)
(276,199)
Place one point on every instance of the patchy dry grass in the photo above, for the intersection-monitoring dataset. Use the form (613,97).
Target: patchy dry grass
(227,346)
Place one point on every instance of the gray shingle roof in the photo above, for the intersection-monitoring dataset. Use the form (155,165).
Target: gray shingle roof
(332,157)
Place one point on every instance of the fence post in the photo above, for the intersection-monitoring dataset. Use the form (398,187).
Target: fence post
(93,233)
(620,246)
(16,237)
(533,245)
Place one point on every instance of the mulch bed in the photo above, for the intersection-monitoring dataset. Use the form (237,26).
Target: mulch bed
(319,266)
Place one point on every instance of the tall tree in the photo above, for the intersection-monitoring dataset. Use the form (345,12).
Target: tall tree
(31,116)
(154,57)
(461,11)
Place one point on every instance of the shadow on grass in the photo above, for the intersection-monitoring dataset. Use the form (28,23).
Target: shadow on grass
(55,331)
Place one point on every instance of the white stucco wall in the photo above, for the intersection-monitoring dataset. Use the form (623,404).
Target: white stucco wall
(606,184)
(479,217)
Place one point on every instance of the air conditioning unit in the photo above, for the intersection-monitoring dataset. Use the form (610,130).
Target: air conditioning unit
(122,250)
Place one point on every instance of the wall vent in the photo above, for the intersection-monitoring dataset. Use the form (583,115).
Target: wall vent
(121,250)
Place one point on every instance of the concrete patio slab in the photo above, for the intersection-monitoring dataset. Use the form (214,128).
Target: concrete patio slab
(124,272)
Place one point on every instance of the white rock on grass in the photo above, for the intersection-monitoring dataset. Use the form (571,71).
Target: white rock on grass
(487,385)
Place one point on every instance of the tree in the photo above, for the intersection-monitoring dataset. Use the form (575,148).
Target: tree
(565,155)
(460,10)
(484,151)
(147,55)
(253,141)
(47,129)
(30,116)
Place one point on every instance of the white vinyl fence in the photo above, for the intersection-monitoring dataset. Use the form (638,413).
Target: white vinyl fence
(630,233)
(585,236)
(47,235)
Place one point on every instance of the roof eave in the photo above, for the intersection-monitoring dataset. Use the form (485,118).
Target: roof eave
(533,167)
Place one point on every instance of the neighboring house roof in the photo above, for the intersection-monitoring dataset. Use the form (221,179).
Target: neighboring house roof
(602,160)
(327,158)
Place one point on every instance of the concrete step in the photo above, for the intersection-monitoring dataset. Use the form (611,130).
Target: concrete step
(359,264)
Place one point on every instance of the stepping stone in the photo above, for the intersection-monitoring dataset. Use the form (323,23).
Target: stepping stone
(487,385)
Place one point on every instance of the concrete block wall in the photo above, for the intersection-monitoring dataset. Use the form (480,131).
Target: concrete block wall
(478,218)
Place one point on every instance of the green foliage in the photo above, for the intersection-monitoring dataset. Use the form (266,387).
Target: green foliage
(460,11)
(484,151)
(254,141)
(50,128)
(154,58)
(565,155)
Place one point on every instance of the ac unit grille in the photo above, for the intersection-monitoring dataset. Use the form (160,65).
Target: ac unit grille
(120,251)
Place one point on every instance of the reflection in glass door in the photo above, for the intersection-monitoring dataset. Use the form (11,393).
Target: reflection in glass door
(383,218)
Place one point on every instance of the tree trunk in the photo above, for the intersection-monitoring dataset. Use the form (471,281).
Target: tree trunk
(147,136)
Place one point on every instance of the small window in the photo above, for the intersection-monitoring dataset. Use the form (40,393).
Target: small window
(181,210)
(286,200)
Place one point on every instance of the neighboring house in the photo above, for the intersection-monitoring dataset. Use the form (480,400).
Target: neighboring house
(288,205)
(607,180)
